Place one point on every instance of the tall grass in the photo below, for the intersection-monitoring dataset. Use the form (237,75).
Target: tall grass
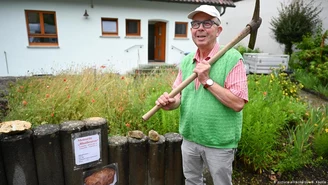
(122,100)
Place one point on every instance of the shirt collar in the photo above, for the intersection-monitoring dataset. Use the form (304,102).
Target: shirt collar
(209,56)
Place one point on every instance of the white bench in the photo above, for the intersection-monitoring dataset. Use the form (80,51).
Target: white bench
(263,63)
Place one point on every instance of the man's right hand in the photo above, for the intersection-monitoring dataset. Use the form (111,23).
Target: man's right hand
(166,102)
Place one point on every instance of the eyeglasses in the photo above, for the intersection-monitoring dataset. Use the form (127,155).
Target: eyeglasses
(206,24)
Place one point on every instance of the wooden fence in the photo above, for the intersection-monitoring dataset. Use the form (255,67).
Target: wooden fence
(62,154)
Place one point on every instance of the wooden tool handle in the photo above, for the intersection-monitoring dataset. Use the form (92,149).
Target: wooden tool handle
(186,82)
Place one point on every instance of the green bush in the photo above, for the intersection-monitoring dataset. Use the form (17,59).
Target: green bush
(288,27)
(320,144)
(298,151)
(312,56)
(242,49)
(321,135)
(267,114)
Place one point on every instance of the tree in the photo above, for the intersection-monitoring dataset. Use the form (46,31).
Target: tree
(294,21)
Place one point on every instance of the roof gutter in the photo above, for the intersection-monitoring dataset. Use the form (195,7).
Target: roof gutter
(198,3)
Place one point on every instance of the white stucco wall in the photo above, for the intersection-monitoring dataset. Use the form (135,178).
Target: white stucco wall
(80,41)
(235,19)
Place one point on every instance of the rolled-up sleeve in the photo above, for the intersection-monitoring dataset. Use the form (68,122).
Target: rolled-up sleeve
(236,81)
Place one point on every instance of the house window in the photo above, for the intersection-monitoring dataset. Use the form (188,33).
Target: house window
(181,29)
(41,27)
(109,26)
(132,27)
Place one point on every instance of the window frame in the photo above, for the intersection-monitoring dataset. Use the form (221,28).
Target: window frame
(109,33)
(42,34)
(181,35)
(127,27)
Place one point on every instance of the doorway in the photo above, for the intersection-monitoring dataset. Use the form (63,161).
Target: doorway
(156,41)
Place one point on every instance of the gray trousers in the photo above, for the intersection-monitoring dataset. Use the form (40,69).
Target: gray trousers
(195,157)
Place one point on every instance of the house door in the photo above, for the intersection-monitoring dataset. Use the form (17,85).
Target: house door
(159,41)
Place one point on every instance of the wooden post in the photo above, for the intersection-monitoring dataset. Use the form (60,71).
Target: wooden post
(3,179)
(48,155)
(119,153)
(156,163)
(138,161)
(72,176)
(100,123)
(18,158)
(173,159)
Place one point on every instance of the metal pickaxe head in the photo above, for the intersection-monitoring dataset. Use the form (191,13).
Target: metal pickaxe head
(254,25)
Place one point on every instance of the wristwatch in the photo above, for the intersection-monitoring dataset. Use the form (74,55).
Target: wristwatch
(209,83)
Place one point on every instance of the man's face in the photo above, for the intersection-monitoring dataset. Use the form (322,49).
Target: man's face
(205,37)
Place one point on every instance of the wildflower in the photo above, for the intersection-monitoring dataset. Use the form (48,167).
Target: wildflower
(52,114)
(265,93)
(103,67)
(68,96)
(315,125)
(48,86)
(47,95)
(326,130)
(93,100)
(121,109)
(128,125)
(122,78)
(64,80)
(24,102)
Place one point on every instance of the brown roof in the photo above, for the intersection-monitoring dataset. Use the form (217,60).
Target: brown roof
(225,3)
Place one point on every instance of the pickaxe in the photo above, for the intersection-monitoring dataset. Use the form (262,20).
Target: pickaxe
(251,29)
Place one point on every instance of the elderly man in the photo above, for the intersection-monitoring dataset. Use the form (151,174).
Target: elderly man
(211,106)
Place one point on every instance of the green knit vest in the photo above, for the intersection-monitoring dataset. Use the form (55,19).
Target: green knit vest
(203,118)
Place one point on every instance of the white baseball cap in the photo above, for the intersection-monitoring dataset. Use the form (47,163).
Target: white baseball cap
(208,9)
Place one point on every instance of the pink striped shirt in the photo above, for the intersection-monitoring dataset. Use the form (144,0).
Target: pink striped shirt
(236,80)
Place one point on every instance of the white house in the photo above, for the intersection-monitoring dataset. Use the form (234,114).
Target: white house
(48,36)
(45,37)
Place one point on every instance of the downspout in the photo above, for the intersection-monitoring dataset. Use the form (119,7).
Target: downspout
(6,62)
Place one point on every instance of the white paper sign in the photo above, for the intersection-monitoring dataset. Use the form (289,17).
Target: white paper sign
(87,149)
